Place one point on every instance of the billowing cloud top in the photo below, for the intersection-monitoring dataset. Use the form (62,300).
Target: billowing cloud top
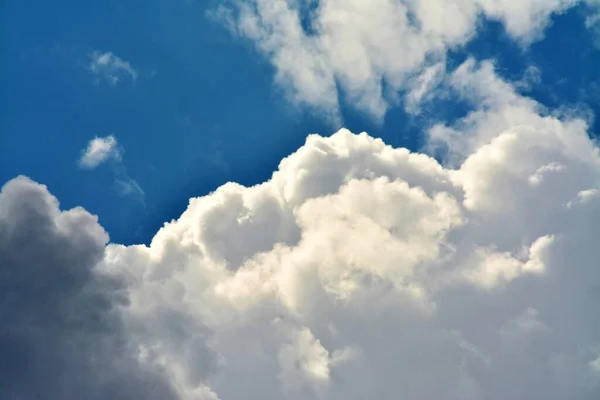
(357,271)
(367,51)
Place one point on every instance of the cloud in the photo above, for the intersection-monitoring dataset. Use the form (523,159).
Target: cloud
(60,333)
(422,87)
(111,68)
(99,150)
(497,108)
(360,270)
(367,51)
(592,21)
(127,186)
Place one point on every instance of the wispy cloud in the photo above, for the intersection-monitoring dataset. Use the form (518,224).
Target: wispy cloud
(99,150)
(423,85)
(592,21)
(130,187)
(103,149)
(111,68)
(367,51)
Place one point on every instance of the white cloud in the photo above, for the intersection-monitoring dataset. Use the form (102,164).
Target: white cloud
(432,282)
(360,270)
(130,187)
(592,21)
(369,50)
(498,108)
(102,149)
(111,68)
(422,87)
(99,150)
(532,76)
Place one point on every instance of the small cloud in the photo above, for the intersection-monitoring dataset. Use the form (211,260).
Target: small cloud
(532,76)
(595,365)
(98,151)
(423,86)
(129,187)
(111,68)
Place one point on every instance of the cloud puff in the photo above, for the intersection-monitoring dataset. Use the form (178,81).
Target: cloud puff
(60,334)
(111,68)
(360,270)
(366,51)
(99,150)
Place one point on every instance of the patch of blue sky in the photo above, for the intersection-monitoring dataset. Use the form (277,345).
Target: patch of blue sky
(202,112)
(203,109)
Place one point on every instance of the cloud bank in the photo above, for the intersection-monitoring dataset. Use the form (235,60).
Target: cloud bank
(357,271)
(367,51)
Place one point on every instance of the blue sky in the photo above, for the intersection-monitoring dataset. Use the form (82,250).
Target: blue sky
(204,108)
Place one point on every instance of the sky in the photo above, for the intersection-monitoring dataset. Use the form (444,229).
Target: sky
(300,199)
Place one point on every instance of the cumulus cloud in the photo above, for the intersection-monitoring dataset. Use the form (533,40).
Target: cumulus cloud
(60,334)
(367,51)
(360,270)
(111,68)
(99,150)
(365,271)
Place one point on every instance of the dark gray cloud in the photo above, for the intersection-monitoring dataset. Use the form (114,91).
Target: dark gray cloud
(60,335)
